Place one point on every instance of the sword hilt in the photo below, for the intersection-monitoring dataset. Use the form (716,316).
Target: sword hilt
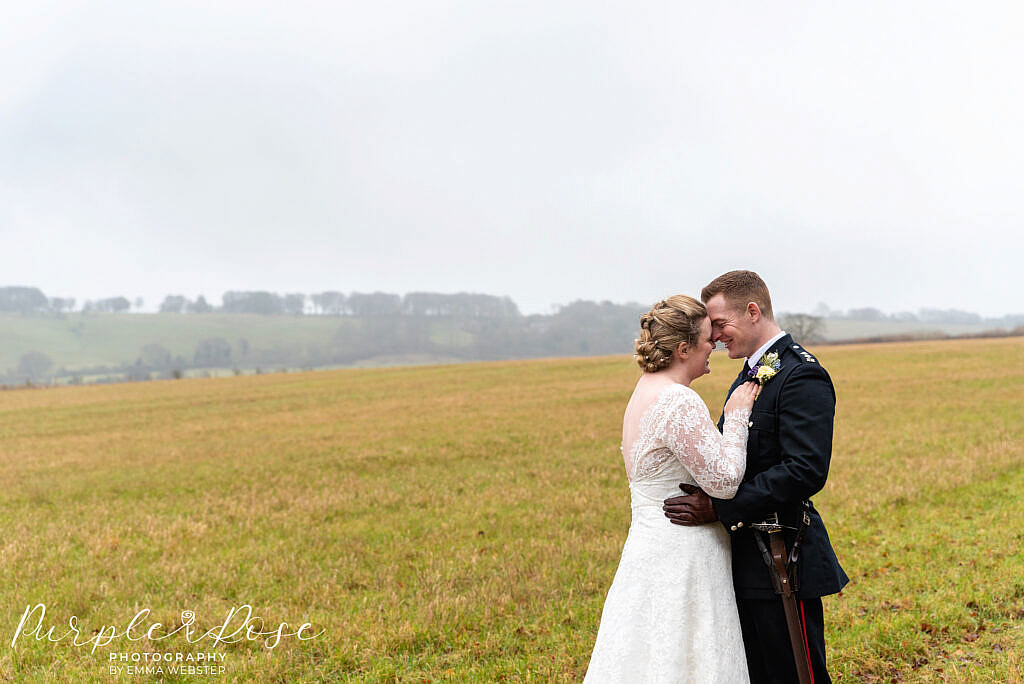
(770,524)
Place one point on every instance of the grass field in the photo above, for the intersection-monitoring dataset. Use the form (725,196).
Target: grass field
(463,523)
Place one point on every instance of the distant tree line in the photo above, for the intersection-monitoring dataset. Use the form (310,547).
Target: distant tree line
(582,328)
(445,328)
(370,328)
(926,315)
(31,300)
(360,304)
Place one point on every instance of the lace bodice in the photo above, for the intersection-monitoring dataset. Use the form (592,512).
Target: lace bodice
(676,429)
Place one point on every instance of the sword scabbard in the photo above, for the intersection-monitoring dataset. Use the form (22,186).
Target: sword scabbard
(777,547)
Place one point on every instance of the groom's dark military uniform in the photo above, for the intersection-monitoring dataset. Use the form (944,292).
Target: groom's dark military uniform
(788,452)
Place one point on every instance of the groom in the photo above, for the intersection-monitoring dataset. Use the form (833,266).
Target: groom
(788,452)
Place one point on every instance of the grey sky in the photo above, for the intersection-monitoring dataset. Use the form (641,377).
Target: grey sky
(862,155)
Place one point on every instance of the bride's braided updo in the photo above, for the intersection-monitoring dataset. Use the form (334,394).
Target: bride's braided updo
(668,323)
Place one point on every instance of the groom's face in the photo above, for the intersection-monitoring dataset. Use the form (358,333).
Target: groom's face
(732,328)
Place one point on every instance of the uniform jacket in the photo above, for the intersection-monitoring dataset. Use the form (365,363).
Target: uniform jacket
(788,452)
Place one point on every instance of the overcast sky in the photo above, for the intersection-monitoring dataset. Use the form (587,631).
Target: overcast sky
(868,154)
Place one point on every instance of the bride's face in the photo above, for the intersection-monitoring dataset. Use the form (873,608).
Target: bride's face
(698,356)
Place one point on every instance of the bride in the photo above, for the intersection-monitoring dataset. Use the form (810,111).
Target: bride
(670,614)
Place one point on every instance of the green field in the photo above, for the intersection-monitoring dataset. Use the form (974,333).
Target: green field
(463,522)
(85,340)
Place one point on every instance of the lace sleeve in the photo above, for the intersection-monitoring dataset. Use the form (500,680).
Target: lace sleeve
(716,460)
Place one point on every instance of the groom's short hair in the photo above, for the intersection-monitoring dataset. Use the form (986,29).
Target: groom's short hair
(739,288)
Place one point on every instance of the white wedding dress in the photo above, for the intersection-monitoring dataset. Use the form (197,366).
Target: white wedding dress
(670,614)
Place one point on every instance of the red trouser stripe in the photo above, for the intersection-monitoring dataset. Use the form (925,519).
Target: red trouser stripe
(807,644)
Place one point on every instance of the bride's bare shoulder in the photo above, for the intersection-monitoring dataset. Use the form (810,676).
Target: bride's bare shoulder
(646,396)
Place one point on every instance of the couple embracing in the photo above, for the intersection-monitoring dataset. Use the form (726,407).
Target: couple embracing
(722,583)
